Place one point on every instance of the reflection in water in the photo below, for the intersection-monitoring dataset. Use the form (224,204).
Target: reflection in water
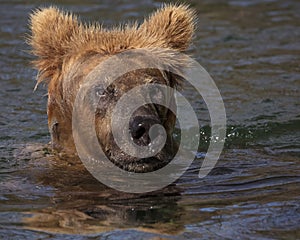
(78,203)
(251,49)
(62,197)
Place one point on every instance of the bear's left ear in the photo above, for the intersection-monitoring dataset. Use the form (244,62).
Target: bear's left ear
(172,26)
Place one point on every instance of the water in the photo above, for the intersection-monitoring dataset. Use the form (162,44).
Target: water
(252,51)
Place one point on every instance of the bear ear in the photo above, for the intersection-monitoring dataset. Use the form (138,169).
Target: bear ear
(171,26)
(51,31)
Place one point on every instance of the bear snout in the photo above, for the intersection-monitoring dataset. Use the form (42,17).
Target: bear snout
(139,128)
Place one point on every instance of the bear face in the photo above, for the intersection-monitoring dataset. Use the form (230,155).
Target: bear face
(67,51)
(140,122)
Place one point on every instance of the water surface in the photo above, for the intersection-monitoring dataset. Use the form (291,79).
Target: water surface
(252,51)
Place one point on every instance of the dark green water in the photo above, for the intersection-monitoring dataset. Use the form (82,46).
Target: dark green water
(252,50)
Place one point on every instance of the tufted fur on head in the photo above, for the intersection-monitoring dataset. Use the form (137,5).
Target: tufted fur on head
(57,36)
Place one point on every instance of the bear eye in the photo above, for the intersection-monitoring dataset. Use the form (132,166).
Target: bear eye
(100,91)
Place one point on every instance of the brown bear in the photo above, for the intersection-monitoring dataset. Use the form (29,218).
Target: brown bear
(68,50)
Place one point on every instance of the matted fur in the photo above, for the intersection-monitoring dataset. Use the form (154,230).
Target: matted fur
(57,35)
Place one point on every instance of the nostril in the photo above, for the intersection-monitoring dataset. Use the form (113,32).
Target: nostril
(139,131)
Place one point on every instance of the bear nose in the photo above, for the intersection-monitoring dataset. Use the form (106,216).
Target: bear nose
(139,128)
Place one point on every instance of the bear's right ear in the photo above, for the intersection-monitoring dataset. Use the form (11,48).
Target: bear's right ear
(51,31)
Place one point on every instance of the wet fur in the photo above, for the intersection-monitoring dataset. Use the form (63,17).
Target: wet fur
(67,50)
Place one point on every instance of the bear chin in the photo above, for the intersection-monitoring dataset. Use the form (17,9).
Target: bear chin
(142,165)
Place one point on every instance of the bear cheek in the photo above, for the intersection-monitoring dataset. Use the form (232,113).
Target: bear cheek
(103,131)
